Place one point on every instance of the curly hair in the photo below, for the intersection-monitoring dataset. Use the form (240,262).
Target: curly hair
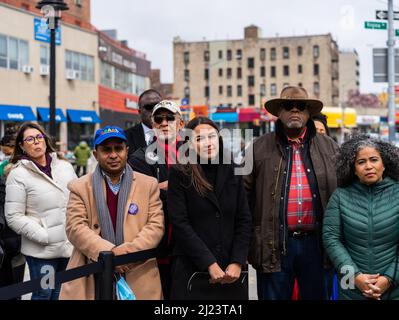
(346,158)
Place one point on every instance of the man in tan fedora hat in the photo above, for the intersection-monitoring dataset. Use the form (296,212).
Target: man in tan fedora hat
(292,180)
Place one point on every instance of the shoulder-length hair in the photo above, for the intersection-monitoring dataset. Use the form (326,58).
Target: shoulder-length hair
(18,152)
(348,152)
(194,170)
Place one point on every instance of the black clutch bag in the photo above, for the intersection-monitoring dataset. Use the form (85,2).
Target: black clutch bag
(199,288)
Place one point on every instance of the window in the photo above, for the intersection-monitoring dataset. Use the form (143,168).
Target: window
(286,71)
(23,53)
(273,89)
(107,75)
(206,56)
(286,53)
(206,74)
(239,91)
(220,72)
(186,75)
(14,53)
(262,55)
(186,57)
(44,55)
(84,65)
(229,55)
(220,54)
(251,81)
(239,73)
(239,54)
(3,51)
(251,63)
(299,51)
(229,73)
(316,69)
(262,71)
(187,92)
(251,99)
(299,68)
(263,90)
(316,51)
(229,91)
(273,71)
(273,54)
(316,88)
(206,92)
(122,80)
(220,90)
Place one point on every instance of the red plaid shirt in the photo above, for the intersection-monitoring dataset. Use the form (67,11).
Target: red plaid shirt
(300,213)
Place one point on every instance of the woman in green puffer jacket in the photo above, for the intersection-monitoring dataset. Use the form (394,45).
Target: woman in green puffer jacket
(361,223)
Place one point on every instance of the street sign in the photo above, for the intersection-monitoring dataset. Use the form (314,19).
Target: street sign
(380,64)
(397,32)
(185,102)
(375,25)
(383,15)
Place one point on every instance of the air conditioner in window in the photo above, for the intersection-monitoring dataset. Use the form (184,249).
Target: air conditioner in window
(27,69)
(44,70)
(72,74)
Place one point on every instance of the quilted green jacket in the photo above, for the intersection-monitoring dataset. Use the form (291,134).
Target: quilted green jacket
(361,233)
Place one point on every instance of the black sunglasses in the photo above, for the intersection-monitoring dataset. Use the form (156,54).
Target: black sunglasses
(159,118)
(149,107)
(289,105)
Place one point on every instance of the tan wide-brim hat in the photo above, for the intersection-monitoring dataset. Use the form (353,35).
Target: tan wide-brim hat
(293,94)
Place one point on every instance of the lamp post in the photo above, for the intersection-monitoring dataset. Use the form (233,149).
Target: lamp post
(51,9)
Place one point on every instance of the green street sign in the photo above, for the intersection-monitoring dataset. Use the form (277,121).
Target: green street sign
(375,25)
(397,32)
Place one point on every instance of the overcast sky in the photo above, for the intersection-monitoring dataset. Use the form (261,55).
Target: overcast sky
(151,25)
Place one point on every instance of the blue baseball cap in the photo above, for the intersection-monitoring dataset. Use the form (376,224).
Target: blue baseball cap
(108,132)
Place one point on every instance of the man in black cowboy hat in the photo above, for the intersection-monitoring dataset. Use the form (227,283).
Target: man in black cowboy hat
(292,180)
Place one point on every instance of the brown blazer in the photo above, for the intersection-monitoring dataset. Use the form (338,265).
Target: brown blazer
(141,231)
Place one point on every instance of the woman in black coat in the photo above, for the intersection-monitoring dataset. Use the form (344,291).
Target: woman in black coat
(211,221)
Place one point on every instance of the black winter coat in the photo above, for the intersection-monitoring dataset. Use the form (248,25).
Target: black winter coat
(135,138)
(209,229)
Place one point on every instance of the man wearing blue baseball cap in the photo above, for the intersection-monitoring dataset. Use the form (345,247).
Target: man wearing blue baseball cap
(114,209)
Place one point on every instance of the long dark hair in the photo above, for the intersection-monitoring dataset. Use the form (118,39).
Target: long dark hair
(194,170)
(18,152)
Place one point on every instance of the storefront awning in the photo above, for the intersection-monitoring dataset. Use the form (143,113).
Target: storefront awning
(225,117)
(83,116)
(16,113)
(44,114)
(335,115)
(248,115)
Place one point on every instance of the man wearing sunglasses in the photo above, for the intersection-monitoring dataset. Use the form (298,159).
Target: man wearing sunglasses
(141,135)
(155,160)
(291,183)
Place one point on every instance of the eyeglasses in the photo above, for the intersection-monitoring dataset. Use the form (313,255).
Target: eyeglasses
(289,105)
(32,139)
(149,107)
(159,118)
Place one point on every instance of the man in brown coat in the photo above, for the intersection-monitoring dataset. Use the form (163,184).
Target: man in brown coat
(114,209)
(293,177)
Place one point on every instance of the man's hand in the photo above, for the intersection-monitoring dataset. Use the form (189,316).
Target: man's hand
(120,251)
(163,185)
(233,272)
(216,273)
